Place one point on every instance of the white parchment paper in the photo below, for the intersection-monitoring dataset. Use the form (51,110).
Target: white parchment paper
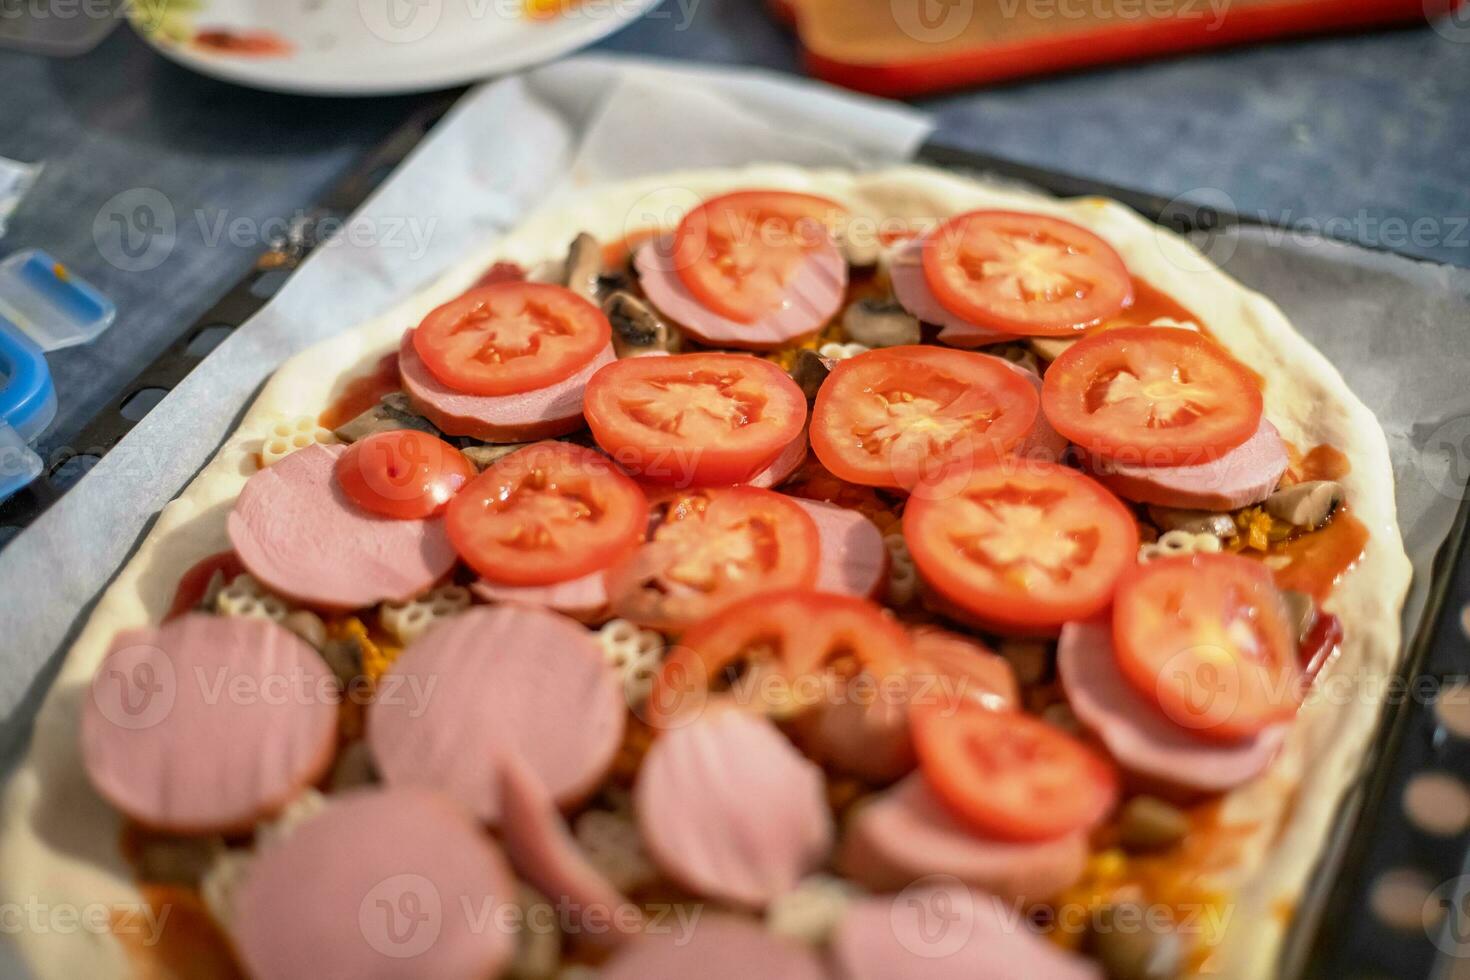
(505,149)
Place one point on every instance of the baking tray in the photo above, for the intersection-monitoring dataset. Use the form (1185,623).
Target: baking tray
(1334,932)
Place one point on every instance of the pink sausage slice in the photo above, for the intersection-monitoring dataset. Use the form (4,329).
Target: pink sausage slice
(545,854)
(1246,475)
(491,683)
(854,560)
(1043,442)
(1141,737)
(912,291)
(296,531)
(730,810)
(813,297)
(584,599)
(787,462)
(906,834)
(714,947)
(207,724)
(946,932)
(395,883)
(523,417)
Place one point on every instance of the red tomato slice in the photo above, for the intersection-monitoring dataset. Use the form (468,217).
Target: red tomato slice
(738,252)
(405,473)
(1010,775)
(510,337)
(963,669)
(1025,273)
(1151,396)
(709,548)
(548,513)
(1023,547)
(909,416)
(694,419)
(1207,638)
(781,652)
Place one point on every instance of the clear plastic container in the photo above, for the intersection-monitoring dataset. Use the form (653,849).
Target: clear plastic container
(50,304)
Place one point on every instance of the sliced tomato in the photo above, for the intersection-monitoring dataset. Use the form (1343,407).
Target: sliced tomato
(404,473)
(1207,638)
(1022,547)
(958,668)
(1151,396)
(782,652)
(709,548)
(1025,273)
(548,513)
(1010,775)
(737,253)
(694,419)
(510,337)
(912,416)
(194,585)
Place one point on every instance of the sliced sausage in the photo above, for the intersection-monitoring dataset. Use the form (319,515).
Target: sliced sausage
(906,833)
(584,599)
(787,462)
(207,724)
(730,810)
(1043,442)
(382,883)
(946,932)
(523,417)
(300,535)
(1246,475)
(869,738)
(1141,737)
(545,854)
(813,296)
(911,289)
(494,682)
(854,560)
(713,946)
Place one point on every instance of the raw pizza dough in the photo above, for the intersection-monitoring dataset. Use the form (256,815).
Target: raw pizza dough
(59,841)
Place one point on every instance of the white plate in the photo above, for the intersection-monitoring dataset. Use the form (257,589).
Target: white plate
(371,47)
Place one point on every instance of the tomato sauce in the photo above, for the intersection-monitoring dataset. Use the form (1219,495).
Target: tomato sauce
(250,44)
(1320,463)
(1318,560)
(191,588)
(363,393)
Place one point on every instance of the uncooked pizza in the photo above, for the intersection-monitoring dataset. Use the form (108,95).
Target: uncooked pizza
(847,576)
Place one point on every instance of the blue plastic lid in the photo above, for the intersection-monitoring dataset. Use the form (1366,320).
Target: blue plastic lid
(27,394)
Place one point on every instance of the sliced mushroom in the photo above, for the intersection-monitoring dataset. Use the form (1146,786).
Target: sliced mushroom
(636,328)
(484,456)
(1050,348)
(879,323)
(392,412)
(809,371)
(584,266)
(177,860)
(1301,610)
(1133,944)
(1305,504)
(1150,824)
(1194,521)
(354,767)
(344,656)
(860,248)
(307,625)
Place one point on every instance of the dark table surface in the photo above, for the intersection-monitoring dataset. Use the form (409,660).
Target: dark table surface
(1365,135)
